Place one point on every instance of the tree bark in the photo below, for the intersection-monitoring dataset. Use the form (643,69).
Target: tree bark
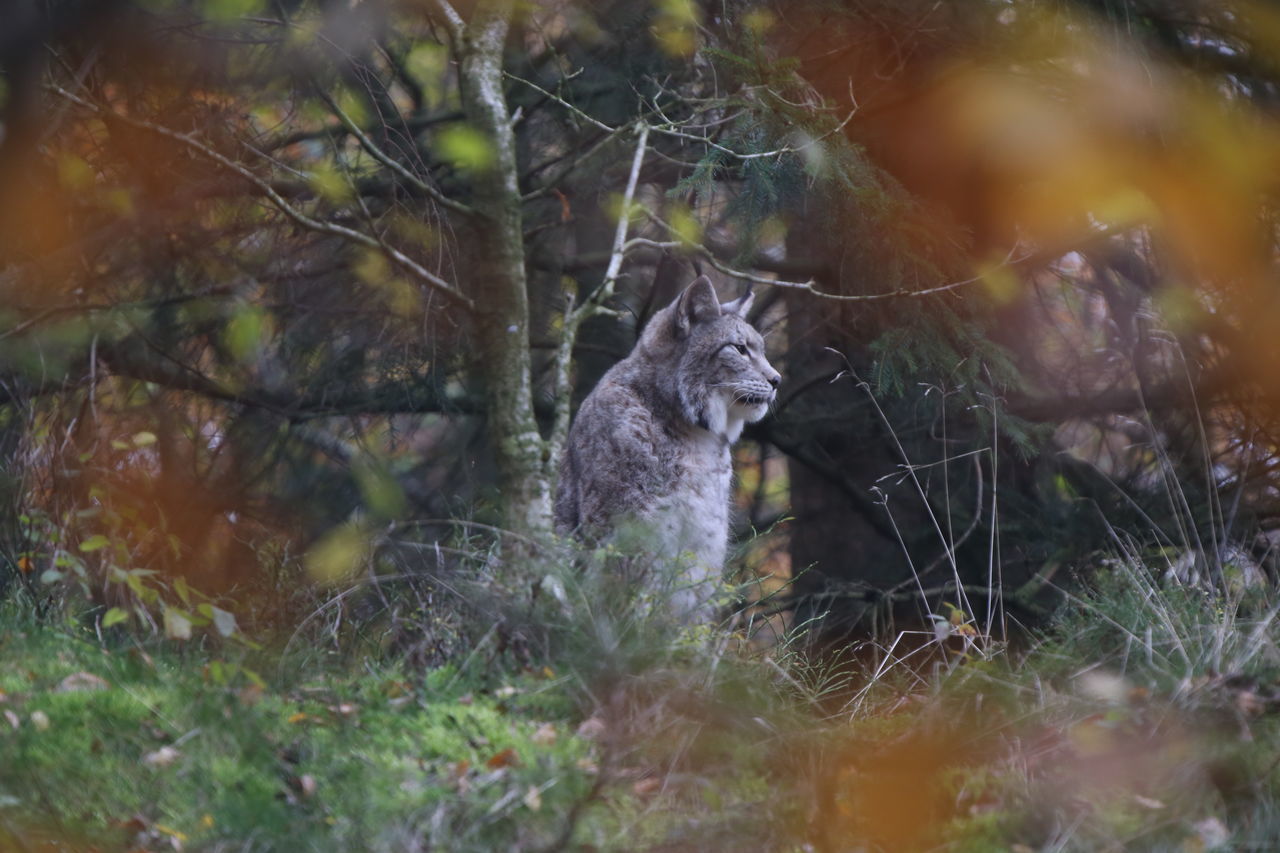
(497,278)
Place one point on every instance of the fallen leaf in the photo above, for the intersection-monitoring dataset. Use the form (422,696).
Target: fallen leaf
(1211,834)
(169,831)
(505,692)
(506,758)
(646,786)
(82,681)
(13,719)
(162,757)
(532,799)
(24,565)
(304,784)
(40,720)
(1249,703)
(296,717)
(134,824)
(592,728)
(1147,802)
(545,735)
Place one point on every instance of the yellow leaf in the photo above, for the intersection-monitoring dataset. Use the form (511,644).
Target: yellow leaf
(330,184)
(338,554)
(467,148)
(684,226)
(74,173)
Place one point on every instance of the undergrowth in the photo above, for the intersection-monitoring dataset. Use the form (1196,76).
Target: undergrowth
(573,716)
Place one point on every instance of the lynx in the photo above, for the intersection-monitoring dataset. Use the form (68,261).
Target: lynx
(649,448)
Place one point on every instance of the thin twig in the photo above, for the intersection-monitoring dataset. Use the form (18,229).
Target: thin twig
(405,262)
(575,316)
(381,156)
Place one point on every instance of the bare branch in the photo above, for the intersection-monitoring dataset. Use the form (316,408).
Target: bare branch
(402,260)
(457,27)
(624,220)
(381,156)
(574,317)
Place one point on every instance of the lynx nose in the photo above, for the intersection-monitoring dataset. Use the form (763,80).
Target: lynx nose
(775,379)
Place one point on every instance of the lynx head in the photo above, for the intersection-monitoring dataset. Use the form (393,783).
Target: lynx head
(711,361)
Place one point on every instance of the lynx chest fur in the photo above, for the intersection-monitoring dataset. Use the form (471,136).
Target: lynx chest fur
(649,449)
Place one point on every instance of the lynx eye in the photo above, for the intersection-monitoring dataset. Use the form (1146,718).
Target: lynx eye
(741,348)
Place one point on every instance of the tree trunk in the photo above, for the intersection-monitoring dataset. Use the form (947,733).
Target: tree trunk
(496,274)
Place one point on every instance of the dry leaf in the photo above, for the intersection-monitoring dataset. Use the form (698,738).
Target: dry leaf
(644,787)
(13,719)
(304,784)
(592,728)
(1211,834)
(40,720)
(545,735)
(532,799)
(506,758)
(82,681)
(162,757)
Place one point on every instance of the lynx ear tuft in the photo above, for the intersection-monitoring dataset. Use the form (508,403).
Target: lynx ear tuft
(698,304)
(739,306)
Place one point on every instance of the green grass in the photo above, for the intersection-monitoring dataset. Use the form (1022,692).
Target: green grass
(325,759)
(1146,717)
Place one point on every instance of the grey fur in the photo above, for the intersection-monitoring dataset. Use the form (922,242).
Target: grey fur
(650,444)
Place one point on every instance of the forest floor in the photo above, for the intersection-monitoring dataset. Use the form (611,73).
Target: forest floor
(1142,719)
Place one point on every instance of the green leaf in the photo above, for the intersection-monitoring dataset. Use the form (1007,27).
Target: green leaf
(382,494)
(246,332)
(338,554)
(50,576)
(181,588)
(96,542)
(114,616)
(228,10)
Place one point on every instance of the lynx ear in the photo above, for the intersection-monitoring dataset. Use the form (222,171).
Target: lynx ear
(698,304)
(739,306)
